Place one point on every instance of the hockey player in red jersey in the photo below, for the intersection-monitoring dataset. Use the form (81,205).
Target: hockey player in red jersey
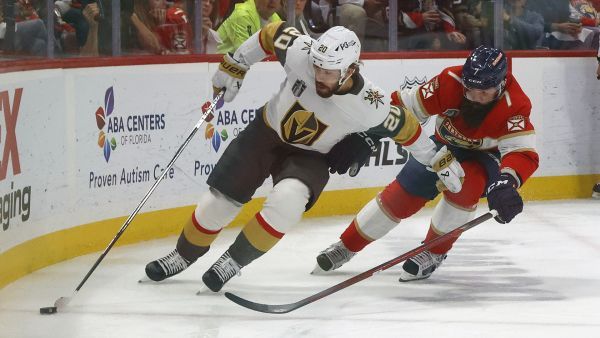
(482,117)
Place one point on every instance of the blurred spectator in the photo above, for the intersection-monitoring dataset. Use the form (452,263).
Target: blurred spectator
(432,24)
(583,11)
(598,69)
(359,16)
(470,22)
(246,19)
(523,28)
(562,31)
(161,29)
(83,16)
(300,21)
(30,31)
(210,38)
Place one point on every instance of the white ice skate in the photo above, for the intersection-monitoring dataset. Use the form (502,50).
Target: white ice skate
(420,266)
(332,258)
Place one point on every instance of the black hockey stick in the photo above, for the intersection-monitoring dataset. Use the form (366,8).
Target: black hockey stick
(285,308)
(63,301)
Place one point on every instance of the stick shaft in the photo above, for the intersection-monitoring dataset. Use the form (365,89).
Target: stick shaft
(151,190)
(285,308)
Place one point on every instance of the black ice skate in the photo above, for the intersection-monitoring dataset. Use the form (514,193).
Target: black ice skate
(333,257)
(421,266)
(221,272)
(167,266)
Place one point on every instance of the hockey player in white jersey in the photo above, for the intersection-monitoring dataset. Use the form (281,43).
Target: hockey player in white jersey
(325,117)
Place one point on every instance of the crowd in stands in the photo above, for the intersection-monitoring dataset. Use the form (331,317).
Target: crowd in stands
(83,27)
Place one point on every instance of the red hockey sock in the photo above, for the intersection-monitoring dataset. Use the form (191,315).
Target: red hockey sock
(353,239)
(441,248)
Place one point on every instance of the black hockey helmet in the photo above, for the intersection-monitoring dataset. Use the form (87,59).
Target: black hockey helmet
(486,67)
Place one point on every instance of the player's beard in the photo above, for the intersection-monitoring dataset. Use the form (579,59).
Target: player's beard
(324,91)
(474,113)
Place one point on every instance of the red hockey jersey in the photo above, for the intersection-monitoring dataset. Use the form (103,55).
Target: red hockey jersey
(506,128)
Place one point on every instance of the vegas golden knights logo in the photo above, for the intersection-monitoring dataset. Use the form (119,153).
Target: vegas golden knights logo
(300,126)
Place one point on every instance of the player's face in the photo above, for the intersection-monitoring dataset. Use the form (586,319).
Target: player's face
(326,81)
(482,96)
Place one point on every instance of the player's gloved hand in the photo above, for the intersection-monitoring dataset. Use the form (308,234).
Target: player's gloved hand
(448,169)
(352,152)
(229,77)
(503,197)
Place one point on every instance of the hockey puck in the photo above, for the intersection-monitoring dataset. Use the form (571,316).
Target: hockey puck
(48,310)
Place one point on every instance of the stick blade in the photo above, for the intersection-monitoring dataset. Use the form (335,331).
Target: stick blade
(265,308)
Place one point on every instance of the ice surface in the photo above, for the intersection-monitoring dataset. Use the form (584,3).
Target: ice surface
(535,277)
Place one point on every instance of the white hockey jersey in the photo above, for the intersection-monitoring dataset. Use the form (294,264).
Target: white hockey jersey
(304,119)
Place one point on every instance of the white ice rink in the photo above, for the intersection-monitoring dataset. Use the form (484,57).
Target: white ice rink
(536,277)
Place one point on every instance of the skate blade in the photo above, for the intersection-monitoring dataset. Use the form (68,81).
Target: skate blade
(203,290)
(411,278)
(318,271)
(146,280)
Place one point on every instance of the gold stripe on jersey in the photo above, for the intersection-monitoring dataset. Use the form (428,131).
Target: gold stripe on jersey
(258,236)
(267,36)
(197,237)
(410,127)
(521,150)
(517,134)
(264,116)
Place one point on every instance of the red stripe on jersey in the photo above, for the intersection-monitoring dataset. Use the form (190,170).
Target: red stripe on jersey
(263,223)
(414,138)
(201,228)
(397,99)
(260,42)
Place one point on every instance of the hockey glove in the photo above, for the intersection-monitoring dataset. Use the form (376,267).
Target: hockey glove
(449,171)
(229,77)
(503,197)
(352,152)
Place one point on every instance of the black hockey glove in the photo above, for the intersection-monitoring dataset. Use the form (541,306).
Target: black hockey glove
(353,151)
(503,197)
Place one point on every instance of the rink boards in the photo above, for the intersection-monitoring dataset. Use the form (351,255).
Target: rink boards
(80,147)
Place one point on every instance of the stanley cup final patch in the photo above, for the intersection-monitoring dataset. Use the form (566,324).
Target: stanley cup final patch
(516,123)
(298,88)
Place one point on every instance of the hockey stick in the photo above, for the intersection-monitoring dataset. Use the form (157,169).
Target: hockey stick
(63,301)
(285,308)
